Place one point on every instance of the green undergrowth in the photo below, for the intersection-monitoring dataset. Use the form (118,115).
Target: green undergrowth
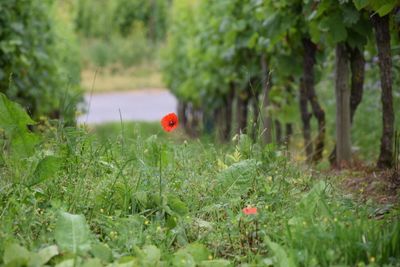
(132,195)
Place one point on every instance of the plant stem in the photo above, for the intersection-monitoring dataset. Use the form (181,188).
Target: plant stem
(160,170)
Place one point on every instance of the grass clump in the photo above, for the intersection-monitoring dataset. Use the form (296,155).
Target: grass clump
(131,194)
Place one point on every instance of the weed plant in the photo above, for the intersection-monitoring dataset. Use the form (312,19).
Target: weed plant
(131,195)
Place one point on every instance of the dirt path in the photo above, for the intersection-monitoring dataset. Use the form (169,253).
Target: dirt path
(138,105)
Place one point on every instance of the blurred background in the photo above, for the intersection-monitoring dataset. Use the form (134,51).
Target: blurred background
(56,56)
(263,68)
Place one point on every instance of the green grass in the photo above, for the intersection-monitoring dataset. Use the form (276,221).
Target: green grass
(120,63)
(153,199)
(118,78)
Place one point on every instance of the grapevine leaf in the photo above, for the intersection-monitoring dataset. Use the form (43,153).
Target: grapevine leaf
(360,3)
(386,9)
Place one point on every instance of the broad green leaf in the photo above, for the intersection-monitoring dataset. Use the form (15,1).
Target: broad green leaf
(177,205)
(72,233)
(282,259)
(43,256)
(66,263)
(363,27)
(198,251)
(149,255)
(12,115)
(360,3)
(46,169)
(183,259)
(310,201)
(47,253)
(102,252)
(130,259)
(315,32)
(268,262)
(338,34)
(240,175)
(171,222)
(16,255)
(131,263)
(14,120)
(356,40)
(350,15)
(252,42)
(322,7)
(386,9)
(23,143)
(334,28)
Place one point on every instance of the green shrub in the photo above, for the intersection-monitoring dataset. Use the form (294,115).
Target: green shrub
(38,68)
(105,18)
(129,50)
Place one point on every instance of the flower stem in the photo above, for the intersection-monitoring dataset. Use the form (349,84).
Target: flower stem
(160,174)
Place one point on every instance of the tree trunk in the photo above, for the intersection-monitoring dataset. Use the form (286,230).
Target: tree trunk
(220,115)
(357,65)
(309,61)
(288,134)
(209,116)
(229,110)
(256,115)
(288,126)
(343,138)
(305,118)
(196,122)
(182,113)
(194,117)
(188,110)
(306,82)
(382,35)
(266,84)
(242,99)
(224,117)
(278,132)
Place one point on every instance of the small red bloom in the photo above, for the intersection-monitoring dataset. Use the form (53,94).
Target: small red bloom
(249,211)
(169,122)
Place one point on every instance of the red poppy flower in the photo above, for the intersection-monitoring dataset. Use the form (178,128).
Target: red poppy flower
(250,211)
(169,122)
